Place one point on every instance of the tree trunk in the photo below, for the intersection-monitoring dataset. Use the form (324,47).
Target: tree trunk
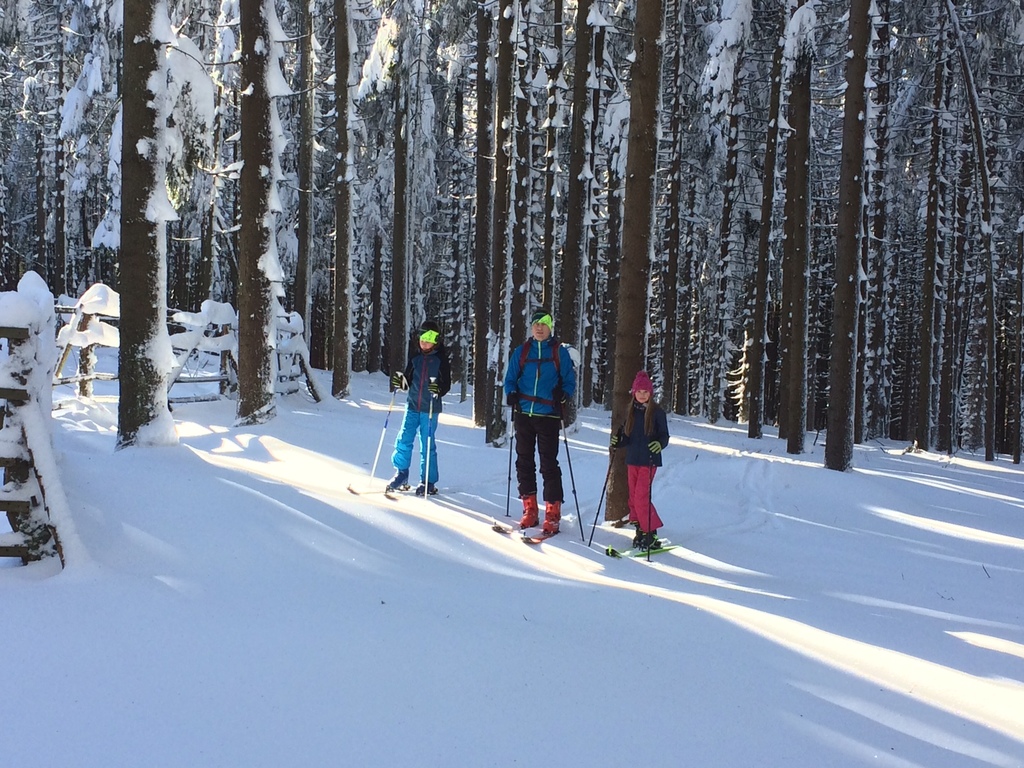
(501,242)
(143,275)
(41,261)
(843,363)
(719,352)
(578,193)
(307,137)
(459,285)
(1017,388)
(398,323)
(759,329)
(945,435)
(208,230)
(551,155)
(930,257)
(342,206)
(673,205)
(59,283)
(483,383)
(686,269)
(614,257)
(638,209)
(590,351)
(521,182)
(257,369)
(797,251)
(987,246)
(376,348)
(878,365)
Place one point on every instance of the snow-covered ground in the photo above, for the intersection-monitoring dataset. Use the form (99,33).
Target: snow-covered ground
(228,602)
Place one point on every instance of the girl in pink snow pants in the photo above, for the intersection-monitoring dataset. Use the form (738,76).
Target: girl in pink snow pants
(644,435)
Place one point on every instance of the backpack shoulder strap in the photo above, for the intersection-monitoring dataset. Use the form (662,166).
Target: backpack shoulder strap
(556,345)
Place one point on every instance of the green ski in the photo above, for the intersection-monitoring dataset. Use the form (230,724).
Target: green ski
(637,552)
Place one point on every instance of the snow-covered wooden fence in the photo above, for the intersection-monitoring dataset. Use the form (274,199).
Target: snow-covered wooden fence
(214,331)
(31,496)
(205,346)
(86,328)
(208,336)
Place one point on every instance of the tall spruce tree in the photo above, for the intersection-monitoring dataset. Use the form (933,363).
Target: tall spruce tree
(483,381)
(635,265)
(843,363)
(796,251)
(342,203)
(258,269)
(143,363)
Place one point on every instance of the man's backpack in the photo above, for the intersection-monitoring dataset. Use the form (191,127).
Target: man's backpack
(568,407)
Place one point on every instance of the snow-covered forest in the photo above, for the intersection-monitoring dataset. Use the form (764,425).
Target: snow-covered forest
(830,232)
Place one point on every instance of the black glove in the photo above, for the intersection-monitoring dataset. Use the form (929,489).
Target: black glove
(398,381)
(615,440)
(654,447)
(433,387)
(512,399)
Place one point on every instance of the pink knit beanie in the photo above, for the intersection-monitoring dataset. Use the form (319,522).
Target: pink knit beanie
(642,381)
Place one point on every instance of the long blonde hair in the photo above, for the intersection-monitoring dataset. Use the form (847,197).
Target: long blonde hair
(649,409)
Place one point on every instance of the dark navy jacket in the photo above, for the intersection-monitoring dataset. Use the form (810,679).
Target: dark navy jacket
(637,452)
(419,371)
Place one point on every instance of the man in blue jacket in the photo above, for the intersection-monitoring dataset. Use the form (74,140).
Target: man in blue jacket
(540,377)
(428,378)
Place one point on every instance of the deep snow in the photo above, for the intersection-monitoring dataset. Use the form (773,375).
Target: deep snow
(227,602)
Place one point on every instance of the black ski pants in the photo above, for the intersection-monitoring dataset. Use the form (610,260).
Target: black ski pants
(540,434)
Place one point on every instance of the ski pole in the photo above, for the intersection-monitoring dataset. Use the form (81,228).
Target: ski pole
(511,432)
(426,443)
(650,503)
(380,443)
(600,502)
(572,480)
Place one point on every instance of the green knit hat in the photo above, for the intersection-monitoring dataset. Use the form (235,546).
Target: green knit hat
(544,317)
(430,332)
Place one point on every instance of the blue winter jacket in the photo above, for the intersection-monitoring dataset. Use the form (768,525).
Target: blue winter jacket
(636,442)
(541,386)
(420,370)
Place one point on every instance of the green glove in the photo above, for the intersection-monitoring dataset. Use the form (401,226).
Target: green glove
(434,388)
(398,381)
(654,446)
(615,440)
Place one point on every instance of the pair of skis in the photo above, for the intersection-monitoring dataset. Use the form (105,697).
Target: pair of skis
(635,552)
(526,538)
(393,495)
(539,538)
(396,494)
